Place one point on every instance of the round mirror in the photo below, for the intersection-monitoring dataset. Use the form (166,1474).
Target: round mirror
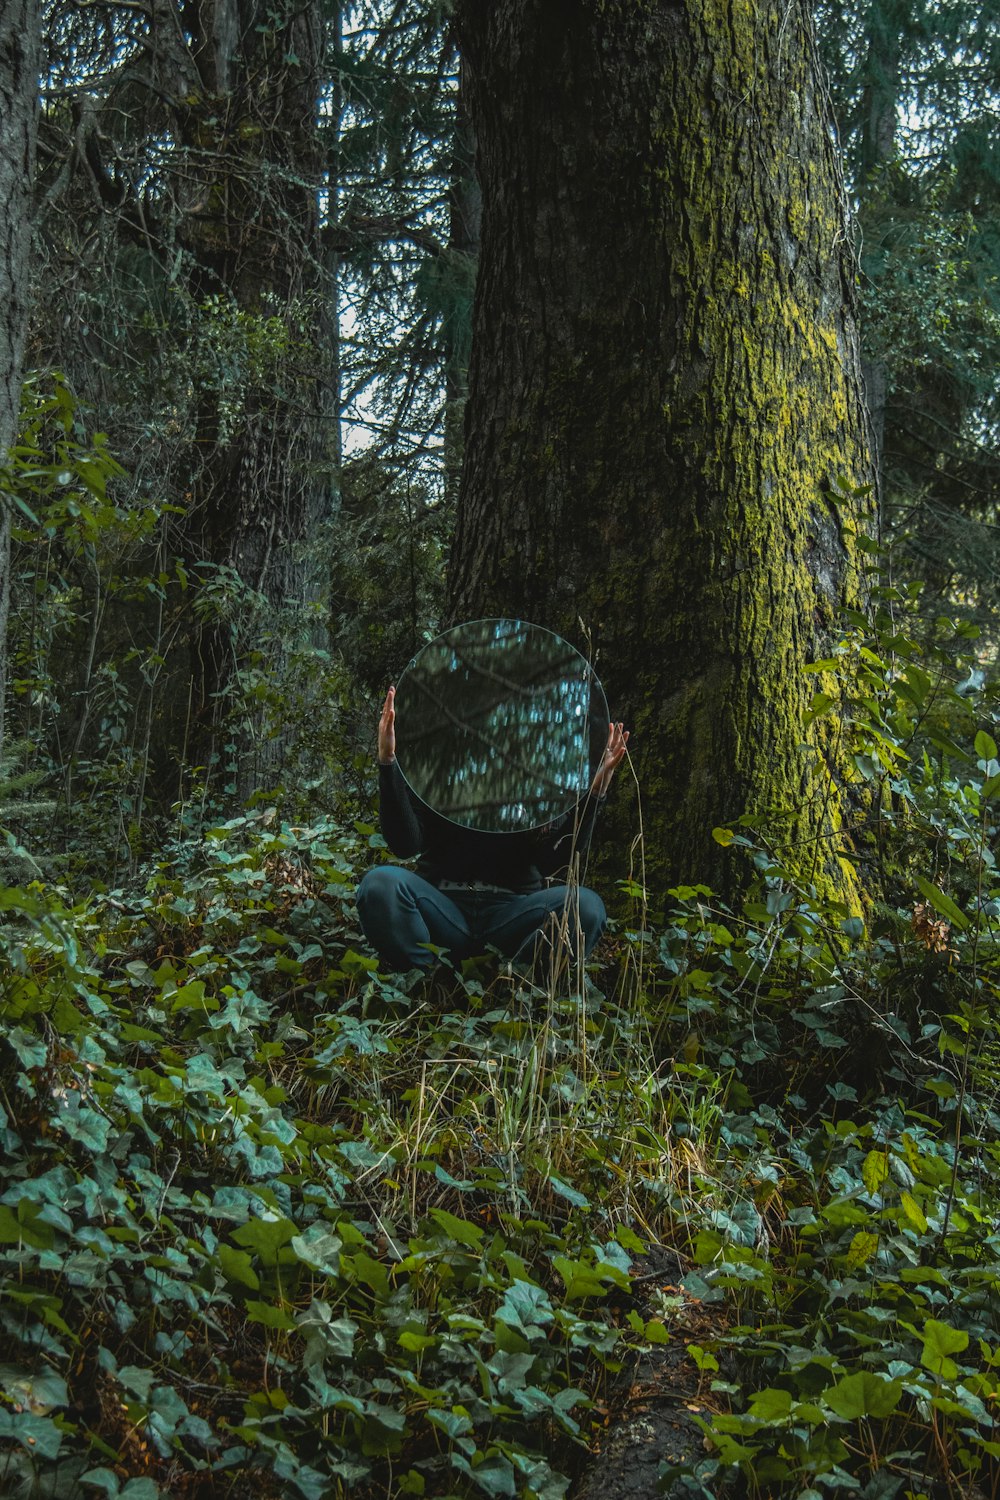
(500,725)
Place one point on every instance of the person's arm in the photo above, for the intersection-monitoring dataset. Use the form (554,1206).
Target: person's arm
(568,835)
(571,834)
(398,820)
(614,753)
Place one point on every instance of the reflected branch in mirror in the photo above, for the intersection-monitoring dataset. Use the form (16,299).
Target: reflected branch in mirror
(501,725)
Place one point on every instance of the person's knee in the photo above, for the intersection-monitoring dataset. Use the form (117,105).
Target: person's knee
(381,889)
(593,916)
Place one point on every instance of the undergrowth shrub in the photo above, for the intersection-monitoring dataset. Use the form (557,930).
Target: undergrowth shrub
(274,1222)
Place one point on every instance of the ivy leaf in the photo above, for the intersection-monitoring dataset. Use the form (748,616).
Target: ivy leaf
(336,1335)
(863,1394)
(319,1248)
(38,1435)
(415,1342)
(87,1127)
(25,1227)
(269,1315)
(265,1237)
(237,1265)
(941,1341)
(495,1476)
(526,1307)
(383,1431)
(457,1229)
(101,1479)
(30,1049)
(580,1279)
(571,1194)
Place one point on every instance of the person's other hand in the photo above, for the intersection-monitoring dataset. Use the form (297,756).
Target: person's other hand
(614,754)
(387,730)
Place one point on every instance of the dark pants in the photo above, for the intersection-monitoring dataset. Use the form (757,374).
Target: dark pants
(401,913)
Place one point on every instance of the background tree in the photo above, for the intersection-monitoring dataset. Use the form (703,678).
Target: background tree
(665,388)
(245,253)
(915,90)
(18,94)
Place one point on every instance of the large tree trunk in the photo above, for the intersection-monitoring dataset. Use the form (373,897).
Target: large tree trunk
(18,96)
(664,390)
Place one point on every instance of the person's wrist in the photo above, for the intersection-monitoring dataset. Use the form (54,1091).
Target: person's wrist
(390,761)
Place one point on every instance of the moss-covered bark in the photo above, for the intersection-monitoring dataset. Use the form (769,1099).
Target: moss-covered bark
(664,385)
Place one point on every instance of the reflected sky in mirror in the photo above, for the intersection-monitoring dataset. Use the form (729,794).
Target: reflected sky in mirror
(500,725)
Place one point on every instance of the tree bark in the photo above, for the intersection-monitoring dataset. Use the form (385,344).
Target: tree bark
(19,52)
(665,389)
(465,212)
(251,229)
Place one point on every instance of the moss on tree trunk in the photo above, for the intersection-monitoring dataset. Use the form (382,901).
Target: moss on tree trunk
(664,386)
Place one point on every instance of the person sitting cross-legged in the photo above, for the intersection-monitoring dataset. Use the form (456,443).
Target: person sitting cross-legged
(473,890)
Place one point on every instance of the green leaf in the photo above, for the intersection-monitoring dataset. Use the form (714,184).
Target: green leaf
(913,1211)
(526,1307)
(25,1226)
(723,836)
(771,1405)
(87,1127)
(237,1265)
(265,1237)
(569,1193)
(336,1335)
(629,1240)
(581,1279)
(269,1315)
(416,1343)
(38,1435)
(875,1171)
(863,1394)
(495,1476)
(986,746)
(102,1479)
(942,903)
(383,1431)
(863,1247)
(457,1229)
(940,1341)
(319,1248)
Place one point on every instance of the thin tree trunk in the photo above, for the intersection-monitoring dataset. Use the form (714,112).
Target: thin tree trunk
(664,392)
(465,212)
(19,52)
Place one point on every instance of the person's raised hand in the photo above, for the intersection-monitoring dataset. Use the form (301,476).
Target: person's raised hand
(387,730)
(614,754)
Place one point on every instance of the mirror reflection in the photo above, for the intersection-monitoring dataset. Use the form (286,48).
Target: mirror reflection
(500,724)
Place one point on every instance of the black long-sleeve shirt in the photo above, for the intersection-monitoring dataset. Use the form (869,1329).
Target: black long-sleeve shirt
(447,851)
